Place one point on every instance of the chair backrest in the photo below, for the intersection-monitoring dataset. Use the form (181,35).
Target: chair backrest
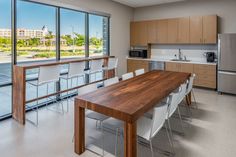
(173,102)
(111,81)
(190,83)
(158,119)
(139,72)
(76,69)
(127,76)
(112,63)
(48,74)
(182,92)
(96,65)
(87,89)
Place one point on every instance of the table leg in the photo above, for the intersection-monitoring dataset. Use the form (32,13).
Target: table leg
(79,131)
(130,140)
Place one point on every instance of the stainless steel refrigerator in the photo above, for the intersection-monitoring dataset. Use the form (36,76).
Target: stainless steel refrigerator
(227,63)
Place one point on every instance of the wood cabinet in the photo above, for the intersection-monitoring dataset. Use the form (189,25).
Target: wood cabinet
(138,33)
(133,65)
(183,30)
(210,29)
(205,74)
(152,32)
(162,31)
(196,30)
(172,31)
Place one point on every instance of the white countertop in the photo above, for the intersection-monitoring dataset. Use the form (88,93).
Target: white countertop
(169,60)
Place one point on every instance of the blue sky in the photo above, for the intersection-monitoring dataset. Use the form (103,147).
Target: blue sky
(35,16)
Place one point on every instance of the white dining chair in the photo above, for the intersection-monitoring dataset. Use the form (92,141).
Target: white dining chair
(139,72)
(111,81)
(112,64)
(75,71)
(95,66)
(190,88)
(148,128)
(127,76)
(46,75)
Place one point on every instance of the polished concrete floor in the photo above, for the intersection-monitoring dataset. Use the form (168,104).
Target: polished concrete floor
(210,133)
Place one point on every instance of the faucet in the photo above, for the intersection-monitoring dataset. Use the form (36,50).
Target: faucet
(180,55)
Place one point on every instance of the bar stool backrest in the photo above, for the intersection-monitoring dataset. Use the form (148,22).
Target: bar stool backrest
(48,74)
(112,63)
(96,65)
(127,76)
(76,69)
(111,81)
(87,89)
(139,72)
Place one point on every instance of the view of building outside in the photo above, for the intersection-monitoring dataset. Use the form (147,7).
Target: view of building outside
(72,33)
(98,35)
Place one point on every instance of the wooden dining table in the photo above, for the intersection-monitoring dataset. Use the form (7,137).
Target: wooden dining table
(126,101)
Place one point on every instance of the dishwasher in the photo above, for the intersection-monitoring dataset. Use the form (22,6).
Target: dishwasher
(156,65)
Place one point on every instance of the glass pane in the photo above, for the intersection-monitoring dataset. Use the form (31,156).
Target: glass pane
(36,36)
(5,57)
(72,34)
(98,35)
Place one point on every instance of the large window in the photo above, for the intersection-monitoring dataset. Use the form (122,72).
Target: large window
(39,27)
(36,31)
(5,57)
(72,33)
(98,35)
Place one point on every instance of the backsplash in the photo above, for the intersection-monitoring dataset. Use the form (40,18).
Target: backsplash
(193,53)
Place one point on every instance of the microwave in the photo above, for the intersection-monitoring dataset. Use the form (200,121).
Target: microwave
(138,53)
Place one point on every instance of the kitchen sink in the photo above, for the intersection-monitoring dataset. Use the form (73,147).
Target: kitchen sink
(180,60)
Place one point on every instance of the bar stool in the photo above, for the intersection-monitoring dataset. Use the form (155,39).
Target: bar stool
(139,72)
(75,71)
(112,64)
(46,75)
(127,76)
(96,66)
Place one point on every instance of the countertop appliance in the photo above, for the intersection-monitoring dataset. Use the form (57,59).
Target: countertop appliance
(138,53)
(210,56)
(156,65)
(227,63)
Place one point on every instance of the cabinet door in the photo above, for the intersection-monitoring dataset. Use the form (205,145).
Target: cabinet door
(162,31)
(142,34)
(196,30)
(152,32)
(171,66)
(210,29)
(133,65)
(183,30)
(186,67)
(133,33)
(172,33)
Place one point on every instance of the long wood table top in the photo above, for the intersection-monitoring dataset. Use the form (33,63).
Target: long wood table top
(130,99)
(36,64)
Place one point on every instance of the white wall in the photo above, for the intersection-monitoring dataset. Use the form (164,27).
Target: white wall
(225,9)
(120,23)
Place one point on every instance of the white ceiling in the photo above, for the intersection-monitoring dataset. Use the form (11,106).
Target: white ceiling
(142,3)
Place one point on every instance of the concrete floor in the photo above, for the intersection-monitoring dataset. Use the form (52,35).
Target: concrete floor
(211,133)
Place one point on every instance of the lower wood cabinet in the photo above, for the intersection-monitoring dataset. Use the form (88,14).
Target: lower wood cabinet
(205,74)
(133,65)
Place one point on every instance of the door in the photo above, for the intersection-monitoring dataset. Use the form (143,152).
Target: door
(162,31)
(183,30)
(226,82)
(227,52)
(210,29)
(172,31)
(196,30)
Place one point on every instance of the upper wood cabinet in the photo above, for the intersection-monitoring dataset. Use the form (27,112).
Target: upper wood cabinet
(196,29)
(162,31)
(187,30)
(138,33)
(172,31)
(209,29)
(183,30)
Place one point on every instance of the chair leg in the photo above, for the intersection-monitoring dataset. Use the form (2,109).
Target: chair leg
(116,142)
(67,86)
(181,121)
(169,139)
(169,126)
(194,98)
(103,151)
(151,148)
